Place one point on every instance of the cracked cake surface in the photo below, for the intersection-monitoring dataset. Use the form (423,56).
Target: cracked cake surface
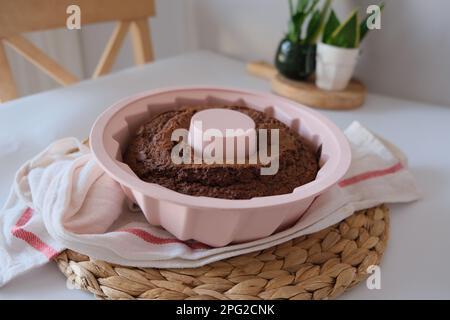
(149,156)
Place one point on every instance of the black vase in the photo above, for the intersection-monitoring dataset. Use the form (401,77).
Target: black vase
(294,60)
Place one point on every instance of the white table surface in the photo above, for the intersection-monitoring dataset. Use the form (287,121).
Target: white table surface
(417,259)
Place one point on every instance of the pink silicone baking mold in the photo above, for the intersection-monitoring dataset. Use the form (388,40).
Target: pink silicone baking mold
(213,221)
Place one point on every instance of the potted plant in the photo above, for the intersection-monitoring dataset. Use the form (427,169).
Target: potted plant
(296,54)
(338,51)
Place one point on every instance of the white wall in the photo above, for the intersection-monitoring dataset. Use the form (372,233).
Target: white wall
(79,50)
(167,28)
(62,45)
(408,58)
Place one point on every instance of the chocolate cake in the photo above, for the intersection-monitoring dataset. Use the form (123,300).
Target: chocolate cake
(149,156)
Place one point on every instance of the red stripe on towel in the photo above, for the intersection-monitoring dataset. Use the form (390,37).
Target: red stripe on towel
(34,241)
(150,238)
(24,218)
(31,238)
(370,174)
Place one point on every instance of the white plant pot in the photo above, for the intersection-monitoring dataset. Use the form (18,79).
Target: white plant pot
(335,66)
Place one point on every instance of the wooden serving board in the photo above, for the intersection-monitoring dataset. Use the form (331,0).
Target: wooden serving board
(307,93)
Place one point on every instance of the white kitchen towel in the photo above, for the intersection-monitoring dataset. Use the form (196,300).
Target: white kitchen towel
(62,199)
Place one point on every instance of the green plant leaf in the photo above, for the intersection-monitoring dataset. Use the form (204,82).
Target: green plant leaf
(313,27)
(331,25)
(291,31)
(301,5)
(347,34)
(311,7)
(306,13)
(363,26)
(295,26)
(323,15)
(291,8)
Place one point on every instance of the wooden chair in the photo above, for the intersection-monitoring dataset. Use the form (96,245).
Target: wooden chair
(20,16)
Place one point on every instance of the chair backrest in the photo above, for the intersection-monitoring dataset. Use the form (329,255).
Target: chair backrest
(19,16)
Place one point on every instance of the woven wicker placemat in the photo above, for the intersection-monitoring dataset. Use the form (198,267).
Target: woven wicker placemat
(317,266)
